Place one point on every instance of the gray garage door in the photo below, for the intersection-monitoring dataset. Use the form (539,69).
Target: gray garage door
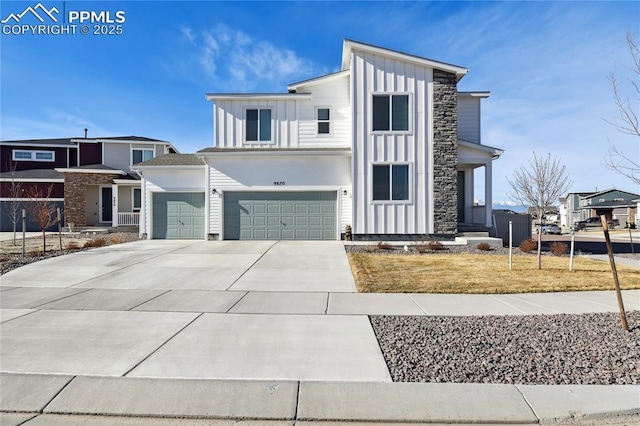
(280,215)
(178,215)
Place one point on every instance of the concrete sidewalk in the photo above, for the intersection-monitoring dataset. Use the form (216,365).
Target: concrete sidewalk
(257,330)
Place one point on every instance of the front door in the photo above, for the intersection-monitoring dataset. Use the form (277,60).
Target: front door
(105,203)
(461,197)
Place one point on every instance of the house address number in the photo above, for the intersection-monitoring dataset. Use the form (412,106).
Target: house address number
(278,183)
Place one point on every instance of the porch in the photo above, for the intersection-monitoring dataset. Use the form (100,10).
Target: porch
(126,204)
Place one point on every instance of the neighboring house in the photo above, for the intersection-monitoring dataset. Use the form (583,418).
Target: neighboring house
(92,182)
(613,203)
(387,145)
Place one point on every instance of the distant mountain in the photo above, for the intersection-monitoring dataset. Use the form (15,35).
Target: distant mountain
(509,205)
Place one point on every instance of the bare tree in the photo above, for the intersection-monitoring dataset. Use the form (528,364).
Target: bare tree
(627,120)
(15,205)
(42,210)
(539,186)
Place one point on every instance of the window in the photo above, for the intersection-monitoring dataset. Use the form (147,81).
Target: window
(390,112)
(258,125)
(391,182)
(28,155)
(324,121)
(137,199)
(140,155)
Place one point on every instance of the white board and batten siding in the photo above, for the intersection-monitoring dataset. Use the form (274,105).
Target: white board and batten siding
(254,173)
(370,74)
(332,94)
(229,119)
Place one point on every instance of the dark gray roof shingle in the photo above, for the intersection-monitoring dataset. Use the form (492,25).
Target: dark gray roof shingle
(44,174)
(172,160)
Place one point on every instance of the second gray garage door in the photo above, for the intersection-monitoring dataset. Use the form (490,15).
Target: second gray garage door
(280,215)
(178,215)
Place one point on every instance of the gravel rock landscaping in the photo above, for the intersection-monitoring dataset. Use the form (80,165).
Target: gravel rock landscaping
(536,349)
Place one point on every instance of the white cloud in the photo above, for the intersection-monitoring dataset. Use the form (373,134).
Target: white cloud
(235,61)
(54,124)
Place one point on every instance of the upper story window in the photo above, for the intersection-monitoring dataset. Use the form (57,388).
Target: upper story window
(138,155)
(323,116)
(33,155)
(390,182)
(390,113)
(258,125)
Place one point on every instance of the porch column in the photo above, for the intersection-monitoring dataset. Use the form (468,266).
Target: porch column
(114,206)
(142,222)
(488,194)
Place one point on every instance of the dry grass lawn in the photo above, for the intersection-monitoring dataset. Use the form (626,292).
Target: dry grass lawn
(472,273)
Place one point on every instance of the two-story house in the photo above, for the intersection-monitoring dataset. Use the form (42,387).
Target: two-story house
(92,182)
(613,203)
(387,146)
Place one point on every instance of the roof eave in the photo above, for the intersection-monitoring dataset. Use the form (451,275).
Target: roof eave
(319,80)
(255,96)
(349,45)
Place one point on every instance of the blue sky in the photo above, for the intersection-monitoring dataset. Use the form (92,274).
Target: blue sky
(545,63)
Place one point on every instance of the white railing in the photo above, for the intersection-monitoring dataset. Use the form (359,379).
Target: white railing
(128,219)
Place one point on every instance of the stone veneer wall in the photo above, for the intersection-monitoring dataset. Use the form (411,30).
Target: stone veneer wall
(75,194)
(445,152)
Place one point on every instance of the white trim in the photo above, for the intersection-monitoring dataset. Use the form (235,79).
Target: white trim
(409,131)
(271,141)
(99,171)
(410,176)
(255,96)
(127,182)
(318,80)
(35,146)
(33,154)
(115,204)
(207,202)
(43,180)
(176,167)
(479,94)
(30,199)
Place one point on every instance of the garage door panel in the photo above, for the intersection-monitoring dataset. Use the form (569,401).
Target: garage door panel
(178,215)
(280,215)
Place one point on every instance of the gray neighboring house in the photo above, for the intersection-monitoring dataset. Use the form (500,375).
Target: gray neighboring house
(613,203)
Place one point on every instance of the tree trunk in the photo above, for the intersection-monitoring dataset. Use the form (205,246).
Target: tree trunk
(14,232)
(540,213)
(44,242)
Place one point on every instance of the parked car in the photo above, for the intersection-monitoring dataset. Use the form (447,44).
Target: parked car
(593,222)
(550,228)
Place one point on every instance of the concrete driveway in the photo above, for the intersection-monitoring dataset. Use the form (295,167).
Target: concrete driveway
(192,309)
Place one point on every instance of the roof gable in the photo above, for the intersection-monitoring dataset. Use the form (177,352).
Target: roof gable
(351,45)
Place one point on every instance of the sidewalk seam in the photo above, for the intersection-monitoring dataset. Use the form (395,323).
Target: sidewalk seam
(251,266)
(528,403)
(228,311)
(57,300)
(147,301)
(416,303)
(161,346)
(295,413)
(56,395)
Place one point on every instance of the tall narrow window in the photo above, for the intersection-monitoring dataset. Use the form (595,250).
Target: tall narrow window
(137,199)
(390,112)
(258,125)
(390,182)
(324,121)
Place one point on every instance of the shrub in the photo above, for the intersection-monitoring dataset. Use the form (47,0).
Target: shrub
(96,242)
(559,249)
(420,246)
(528,245)
(483,247)
(435,245)
(116,239)
(383,246)
(72,245)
